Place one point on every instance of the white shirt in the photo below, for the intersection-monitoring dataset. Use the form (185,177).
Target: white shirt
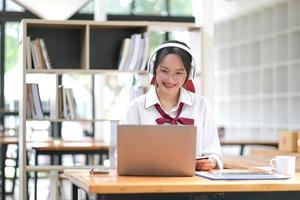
(142,111)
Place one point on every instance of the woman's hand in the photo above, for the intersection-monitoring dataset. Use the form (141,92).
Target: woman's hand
(206,164)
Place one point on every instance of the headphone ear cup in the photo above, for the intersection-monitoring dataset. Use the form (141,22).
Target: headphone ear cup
(193,74)
(150,66)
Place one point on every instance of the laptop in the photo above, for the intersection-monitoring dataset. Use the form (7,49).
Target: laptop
(151,150)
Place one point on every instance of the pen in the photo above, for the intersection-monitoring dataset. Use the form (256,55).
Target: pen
(202,158)
(99,171)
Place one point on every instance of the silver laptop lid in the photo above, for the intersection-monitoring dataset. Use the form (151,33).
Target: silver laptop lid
(156,150)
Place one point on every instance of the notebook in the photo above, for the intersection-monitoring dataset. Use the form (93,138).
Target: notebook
(151,150)
(244,175)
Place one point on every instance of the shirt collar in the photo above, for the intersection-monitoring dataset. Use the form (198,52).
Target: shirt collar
(151,97)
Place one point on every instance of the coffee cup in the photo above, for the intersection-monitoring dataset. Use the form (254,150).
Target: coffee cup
(284,165)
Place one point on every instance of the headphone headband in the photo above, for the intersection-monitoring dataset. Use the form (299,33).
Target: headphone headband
(171,44)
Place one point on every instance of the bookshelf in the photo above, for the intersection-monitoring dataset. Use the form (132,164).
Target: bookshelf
(257,65)
(86,48)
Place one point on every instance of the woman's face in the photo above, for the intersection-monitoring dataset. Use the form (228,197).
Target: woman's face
(170,74)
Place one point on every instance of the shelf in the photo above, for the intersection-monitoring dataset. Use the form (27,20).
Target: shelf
(91,49)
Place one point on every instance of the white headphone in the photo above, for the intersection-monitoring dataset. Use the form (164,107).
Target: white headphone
(151,60)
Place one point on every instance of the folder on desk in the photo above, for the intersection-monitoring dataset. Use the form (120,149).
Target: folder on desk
(244,175)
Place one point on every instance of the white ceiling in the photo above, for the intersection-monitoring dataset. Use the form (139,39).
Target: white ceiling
(53,9)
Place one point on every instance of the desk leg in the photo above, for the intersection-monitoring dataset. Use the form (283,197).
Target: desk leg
(3,151)
(242,149)
(74,192)
(35,175)
(15,172)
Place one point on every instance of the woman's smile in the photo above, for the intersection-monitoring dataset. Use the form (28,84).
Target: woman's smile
(169,85)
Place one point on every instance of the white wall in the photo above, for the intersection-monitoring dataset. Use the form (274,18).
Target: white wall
(225,9)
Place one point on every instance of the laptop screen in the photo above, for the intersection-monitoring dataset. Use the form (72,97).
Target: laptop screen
(156,150)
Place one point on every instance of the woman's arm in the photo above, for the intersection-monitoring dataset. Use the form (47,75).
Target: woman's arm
(211,144)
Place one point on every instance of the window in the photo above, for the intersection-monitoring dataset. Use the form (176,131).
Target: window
(150,7)
(145,7)
(118,6)
(11,73)
(180,8)
(11,66)
(88,8)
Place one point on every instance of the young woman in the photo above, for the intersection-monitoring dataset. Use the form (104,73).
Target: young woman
(172,100)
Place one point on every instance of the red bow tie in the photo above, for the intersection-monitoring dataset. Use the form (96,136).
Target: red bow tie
(168,119)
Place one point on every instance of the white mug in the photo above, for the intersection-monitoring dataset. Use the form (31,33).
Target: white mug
(284,165)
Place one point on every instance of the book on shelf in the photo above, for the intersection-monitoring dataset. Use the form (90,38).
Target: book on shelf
(68,108)
(33,54)
(28,53)
(60,103)
(35,109)
(72,104)
(124,53)
(29,102)
(140,55)
(41,58)
(45,53)
(145,54)
(129,56)
(134,53)
(55,103)
(64,103)
(38,54)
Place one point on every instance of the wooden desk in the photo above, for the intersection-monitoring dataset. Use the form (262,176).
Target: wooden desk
(243,143)
(114,184)
(67,147)
(8,140)
(63,147)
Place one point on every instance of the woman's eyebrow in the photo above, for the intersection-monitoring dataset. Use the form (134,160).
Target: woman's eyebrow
(162,66)
(178,69)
